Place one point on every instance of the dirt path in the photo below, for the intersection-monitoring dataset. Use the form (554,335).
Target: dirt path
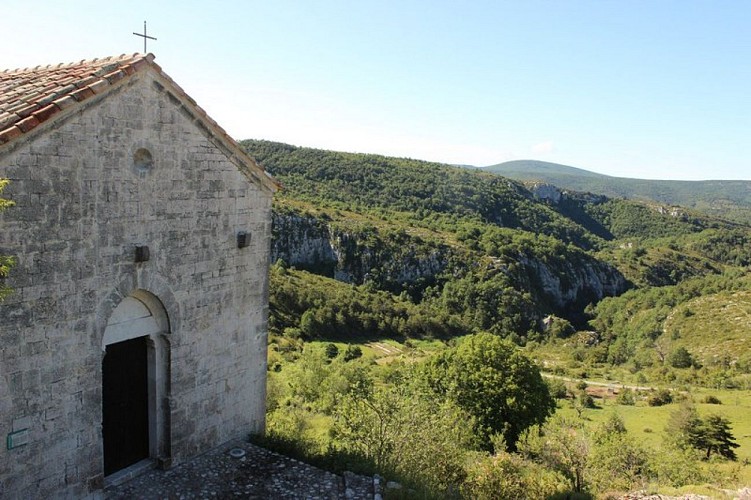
(387,349)
(600,384)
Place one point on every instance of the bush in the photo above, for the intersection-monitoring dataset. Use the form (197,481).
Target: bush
(680,358)
(711,400)
(332,351)
(626,397)
(586,401)
(406,434)
(557,388)
(677,467)
(660,397)
(508,476)
(352,352)
(559,327)
(563,445)
(617,462)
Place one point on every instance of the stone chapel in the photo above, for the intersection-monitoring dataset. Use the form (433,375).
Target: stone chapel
(135,335)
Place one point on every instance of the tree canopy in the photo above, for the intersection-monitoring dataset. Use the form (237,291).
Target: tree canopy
(711,434)
(493,381)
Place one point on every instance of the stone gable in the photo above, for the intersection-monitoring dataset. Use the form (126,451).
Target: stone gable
(136,167)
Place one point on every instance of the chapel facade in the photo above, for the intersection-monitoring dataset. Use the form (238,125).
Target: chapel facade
(135,334)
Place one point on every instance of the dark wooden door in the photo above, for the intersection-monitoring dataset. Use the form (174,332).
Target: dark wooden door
(125,410)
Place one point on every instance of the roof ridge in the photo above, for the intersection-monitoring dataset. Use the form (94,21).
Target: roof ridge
(136,55)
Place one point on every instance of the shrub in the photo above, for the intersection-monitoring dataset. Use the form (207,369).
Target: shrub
(680,358)
(559,327)
(626,397)
(618,462)
(352,352)
(586,401)
(331,350)
(557,388)
(508,476)
(711,400)
(563,445)
(406,434)
(660,397)
(677,467)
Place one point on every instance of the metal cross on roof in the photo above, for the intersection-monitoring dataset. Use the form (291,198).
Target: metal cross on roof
(145,36)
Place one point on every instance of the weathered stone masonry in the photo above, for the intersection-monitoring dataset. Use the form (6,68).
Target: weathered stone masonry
(83,204)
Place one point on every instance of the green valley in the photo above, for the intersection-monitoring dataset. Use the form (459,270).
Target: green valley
(414,305)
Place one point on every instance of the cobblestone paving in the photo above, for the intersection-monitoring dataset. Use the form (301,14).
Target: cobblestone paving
(260,474)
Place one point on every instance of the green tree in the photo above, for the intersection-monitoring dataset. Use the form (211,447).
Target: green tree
(680,358)
(683,425)
(332,350)
(710,435)
(718,438)
(407,434)
(6,262)
(617,461)
(308,375)
(492,380)
(563,445)
(309,324)
(352,352)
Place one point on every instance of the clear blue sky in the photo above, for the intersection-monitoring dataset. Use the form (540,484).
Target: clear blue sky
(649,89)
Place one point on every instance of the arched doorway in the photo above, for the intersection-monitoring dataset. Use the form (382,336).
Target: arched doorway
(135,383)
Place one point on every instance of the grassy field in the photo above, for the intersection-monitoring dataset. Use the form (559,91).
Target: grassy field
(645,423)
(713,327)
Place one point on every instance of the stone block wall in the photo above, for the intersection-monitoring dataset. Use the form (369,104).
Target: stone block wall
(84,200)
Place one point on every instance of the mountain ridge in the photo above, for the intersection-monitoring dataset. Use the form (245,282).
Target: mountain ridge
(729,199)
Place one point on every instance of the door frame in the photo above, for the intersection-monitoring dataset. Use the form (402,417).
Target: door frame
(156,329)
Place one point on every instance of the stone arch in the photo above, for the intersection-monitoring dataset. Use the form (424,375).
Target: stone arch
(142,318)
(149,282)
(137,315)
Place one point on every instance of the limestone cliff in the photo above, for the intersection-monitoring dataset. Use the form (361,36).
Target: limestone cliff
(394,260)
(569,285)
(397,261)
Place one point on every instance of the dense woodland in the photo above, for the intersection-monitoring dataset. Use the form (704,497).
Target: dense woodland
(537,347)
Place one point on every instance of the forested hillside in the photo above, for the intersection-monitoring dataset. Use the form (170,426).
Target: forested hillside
(730,199)
(389,273)
(485,251)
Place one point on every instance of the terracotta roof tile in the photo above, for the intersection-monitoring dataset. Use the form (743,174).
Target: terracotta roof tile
(27,124)
(46,112)
(64,102)
(82,94)
(30,96)
(9,134)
